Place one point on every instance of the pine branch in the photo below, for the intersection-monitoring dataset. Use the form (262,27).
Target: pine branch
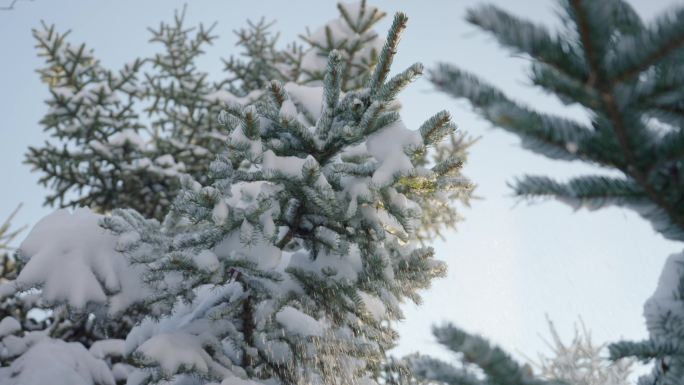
(632,92)
(6,236)
(394,86)
(589,191)
(632,168)
(431,369)
(387,54)
(498,367)
(656,43)
(593,31)
(332,83)
(644,350)
(549,135)
(608,33)
(11,5)
(525,37)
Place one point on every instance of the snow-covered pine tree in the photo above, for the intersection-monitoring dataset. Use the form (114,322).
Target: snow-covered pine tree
(351,34)
(294,259)
(628,76)
(121,138)
(284,262)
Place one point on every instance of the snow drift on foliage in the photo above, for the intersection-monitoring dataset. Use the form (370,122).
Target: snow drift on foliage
(75,261)
(180,340)
(56,362)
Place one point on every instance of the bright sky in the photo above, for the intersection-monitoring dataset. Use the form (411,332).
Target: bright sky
(509,264)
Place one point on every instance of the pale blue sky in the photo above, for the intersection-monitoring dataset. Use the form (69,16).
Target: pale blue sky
(508,264)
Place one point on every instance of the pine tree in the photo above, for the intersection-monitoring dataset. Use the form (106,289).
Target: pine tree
(306,234)
(257,230)
(628,76)
(122,138)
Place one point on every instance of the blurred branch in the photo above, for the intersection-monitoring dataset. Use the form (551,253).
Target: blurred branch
(11,5)
(6,236)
